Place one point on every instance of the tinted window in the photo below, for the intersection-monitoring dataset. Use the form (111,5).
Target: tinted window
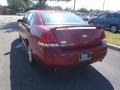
(110,16)
(61,18)
(113,15)
(32,21)
(26,14)
(29,17)
(25,17)
(102,16)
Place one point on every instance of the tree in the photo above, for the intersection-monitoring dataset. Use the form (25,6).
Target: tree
(25,5)
(83,10)
(19,5)
(41,4)
(1,9)
(96,12)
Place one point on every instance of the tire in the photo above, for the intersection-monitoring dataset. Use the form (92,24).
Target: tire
(20,37)
(114,28)
(30,56)
(91,23)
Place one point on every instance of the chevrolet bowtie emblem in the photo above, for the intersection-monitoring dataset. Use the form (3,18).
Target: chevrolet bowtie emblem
(84,36)
(63,42)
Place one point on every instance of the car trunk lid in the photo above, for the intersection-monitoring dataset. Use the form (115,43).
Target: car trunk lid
(77,36)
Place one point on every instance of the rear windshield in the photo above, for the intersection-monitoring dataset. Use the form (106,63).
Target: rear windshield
(61,18)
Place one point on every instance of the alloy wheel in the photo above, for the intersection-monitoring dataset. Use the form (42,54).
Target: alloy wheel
(114,29)
(29,55)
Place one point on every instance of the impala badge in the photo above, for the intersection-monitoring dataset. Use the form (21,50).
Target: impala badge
(84,36)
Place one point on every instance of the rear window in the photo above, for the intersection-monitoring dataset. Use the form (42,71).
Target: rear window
(61,18)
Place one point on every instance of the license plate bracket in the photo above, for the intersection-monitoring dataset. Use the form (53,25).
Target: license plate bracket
(85,57)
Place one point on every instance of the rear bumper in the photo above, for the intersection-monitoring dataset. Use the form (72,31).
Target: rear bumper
(59,58)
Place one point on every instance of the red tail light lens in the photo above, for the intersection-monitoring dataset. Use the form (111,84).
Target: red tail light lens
(103,35)
(104,41)
(48,38)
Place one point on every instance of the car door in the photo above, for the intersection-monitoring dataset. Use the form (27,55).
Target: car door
(101,19)
(116,19)
(109,18)
(21,25)
(25,25)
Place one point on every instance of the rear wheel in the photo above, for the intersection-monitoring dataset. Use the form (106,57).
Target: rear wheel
(20,37)
(30,56)
(114,28)
(91,23)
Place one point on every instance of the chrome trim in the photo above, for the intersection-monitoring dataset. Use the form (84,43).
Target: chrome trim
(48,45)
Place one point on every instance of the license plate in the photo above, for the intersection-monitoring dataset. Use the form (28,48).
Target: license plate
(85,57)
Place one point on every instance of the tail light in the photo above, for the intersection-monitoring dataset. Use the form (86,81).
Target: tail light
(48,40)
(104,40)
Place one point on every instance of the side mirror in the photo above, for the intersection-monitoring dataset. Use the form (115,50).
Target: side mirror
(19,20)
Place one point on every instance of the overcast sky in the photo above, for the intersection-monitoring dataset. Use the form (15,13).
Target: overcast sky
(112,5)
(3,2)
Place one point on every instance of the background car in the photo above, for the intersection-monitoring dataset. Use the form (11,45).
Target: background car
(84,16)
(59,39)
(109,21)
(20,14)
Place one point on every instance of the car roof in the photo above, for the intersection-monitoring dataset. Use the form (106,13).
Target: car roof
(113,13)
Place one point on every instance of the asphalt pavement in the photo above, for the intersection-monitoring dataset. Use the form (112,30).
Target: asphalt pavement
(17,74)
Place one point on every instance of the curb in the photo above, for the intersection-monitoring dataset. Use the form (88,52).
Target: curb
(114,47)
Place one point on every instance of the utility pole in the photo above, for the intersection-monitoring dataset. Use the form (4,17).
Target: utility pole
(103,5)
(74,4)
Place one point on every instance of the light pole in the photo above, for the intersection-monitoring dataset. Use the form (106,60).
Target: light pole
(74,4)
(103,5)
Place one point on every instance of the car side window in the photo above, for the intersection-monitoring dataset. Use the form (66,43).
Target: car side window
(110,16)
(32,21)
(28,18)
(102,16)
(25,18)
(26,15)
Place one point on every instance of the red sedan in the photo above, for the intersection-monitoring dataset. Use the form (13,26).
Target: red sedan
(59,39)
